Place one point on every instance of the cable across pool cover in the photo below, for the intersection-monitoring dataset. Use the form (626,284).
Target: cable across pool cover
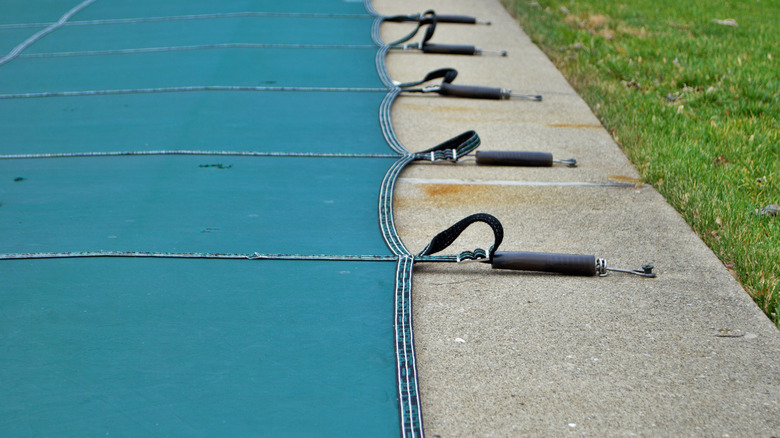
(196,211)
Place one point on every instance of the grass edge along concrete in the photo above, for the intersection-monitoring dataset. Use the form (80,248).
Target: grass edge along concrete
(689,90)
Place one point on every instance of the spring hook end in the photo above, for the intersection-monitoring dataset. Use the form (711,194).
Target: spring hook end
(602,270)
(491,52)
(647,271)
(569,162)
(508,94)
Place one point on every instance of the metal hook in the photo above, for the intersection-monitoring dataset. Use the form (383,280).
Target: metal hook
(646,271)
(491,52)
(570,162)
(508,94)
(602,270)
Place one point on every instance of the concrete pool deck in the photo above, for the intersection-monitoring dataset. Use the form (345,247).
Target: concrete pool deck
(518,354)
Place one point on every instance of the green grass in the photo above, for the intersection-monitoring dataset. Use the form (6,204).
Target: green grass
(693,103)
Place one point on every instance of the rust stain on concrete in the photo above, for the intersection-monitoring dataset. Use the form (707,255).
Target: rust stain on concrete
(460,195)
(444,189)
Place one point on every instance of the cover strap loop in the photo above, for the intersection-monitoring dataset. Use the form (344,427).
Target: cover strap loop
(444,239)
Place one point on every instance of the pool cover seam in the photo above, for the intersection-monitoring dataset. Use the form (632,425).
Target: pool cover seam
(227,256)
(43,32)
(197,255)
(366,3)
(188,17)
(193,88)
(193,47)
(193,152)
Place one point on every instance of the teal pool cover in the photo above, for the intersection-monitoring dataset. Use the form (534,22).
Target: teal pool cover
(196,220)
